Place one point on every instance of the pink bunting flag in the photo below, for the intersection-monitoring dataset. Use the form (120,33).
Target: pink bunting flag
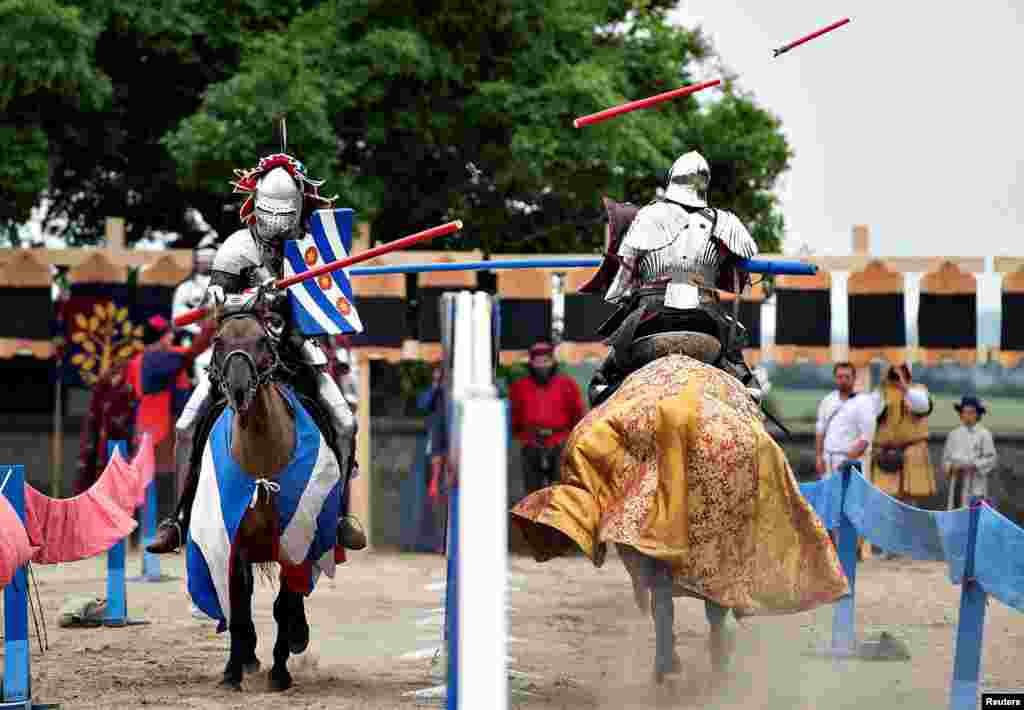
(72,529)
(15,549)
(145,465)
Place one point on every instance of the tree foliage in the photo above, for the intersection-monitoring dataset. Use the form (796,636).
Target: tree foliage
(388,100)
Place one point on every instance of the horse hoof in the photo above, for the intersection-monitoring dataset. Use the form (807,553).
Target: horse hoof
(278,682)
(251,667)
(300,642)
(229,683)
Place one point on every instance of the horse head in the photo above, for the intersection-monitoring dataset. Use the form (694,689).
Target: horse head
(244,358)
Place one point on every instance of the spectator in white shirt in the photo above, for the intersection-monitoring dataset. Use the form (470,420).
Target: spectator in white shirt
(846,423)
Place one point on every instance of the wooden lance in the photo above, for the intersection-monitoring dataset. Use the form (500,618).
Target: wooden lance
(397,245)
(643,103)
(807,38)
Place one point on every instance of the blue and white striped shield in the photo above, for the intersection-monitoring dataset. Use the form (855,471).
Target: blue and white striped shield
(324,305)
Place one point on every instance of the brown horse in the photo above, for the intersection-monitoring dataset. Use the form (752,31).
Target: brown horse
(263,439)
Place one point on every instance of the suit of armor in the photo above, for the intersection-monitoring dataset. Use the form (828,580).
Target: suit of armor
(669,260)
(248,258)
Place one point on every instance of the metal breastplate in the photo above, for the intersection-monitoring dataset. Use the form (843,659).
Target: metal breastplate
(691,256)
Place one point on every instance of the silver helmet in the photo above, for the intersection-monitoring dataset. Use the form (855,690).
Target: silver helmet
(278,207)
(688,180)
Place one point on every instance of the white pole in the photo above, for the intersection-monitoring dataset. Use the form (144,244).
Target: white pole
(483,546)
(483,680)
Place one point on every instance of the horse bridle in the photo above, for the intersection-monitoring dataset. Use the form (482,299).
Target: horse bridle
(217,374)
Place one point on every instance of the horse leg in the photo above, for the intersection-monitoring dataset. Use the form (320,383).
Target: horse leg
(663,611)
(241,629)
(247,630)
(640,569)
(720,641)
(292,635)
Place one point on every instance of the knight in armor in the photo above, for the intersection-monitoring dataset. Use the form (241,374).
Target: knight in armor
(663,266)
(189,295)
(282,200)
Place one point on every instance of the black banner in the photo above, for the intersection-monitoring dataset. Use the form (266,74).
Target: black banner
(877,320)
(803,317)
(1012,335)
(524,321)
(948,321)
(428,315)
(27,312)
(385,322)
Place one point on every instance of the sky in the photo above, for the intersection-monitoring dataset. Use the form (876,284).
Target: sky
(910,119)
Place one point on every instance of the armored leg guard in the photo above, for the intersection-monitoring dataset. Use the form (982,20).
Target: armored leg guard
(170,535)
(350,534)
(605,381)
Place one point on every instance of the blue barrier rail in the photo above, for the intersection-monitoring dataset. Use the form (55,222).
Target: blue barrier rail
(983,550)
(753,266)
(117,589)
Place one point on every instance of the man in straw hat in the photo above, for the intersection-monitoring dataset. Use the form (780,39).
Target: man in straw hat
(969,456)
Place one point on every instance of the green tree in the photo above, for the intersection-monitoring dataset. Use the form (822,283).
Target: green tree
(143,110)
(389,101)
(89,88)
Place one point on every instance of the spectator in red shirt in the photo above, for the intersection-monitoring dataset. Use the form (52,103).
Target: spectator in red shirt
(546,405)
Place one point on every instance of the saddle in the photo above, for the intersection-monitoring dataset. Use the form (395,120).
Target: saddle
(646,329)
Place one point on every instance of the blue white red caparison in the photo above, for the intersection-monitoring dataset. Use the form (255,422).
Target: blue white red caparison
(324,305)
(308,506)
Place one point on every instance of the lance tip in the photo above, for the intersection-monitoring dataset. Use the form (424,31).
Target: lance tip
(458,224)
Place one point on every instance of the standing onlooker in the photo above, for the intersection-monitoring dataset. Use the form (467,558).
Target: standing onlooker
(432,400)
(900,463)
(969,456)
(110,418)
(189,294)
(846,423)
(161,385)
(546,405)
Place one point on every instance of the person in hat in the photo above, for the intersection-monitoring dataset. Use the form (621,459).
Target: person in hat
(160,383)
(900,463)
(546,405)
(969,457)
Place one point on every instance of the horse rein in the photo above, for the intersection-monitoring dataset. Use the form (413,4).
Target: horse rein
(217,374)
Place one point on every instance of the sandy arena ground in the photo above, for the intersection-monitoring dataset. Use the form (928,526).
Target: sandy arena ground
(580,640)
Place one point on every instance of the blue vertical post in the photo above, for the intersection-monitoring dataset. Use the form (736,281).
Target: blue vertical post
(17,683)
(150,562)
(117,598)
(963,693)
(844,634)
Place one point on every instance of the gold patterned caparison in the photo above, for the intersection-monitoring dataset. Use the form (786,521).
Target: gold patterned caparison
(678,465)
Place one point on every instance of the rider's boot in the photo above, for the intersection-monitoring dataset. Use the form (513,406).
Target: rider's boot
(170,534)
(350,533)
